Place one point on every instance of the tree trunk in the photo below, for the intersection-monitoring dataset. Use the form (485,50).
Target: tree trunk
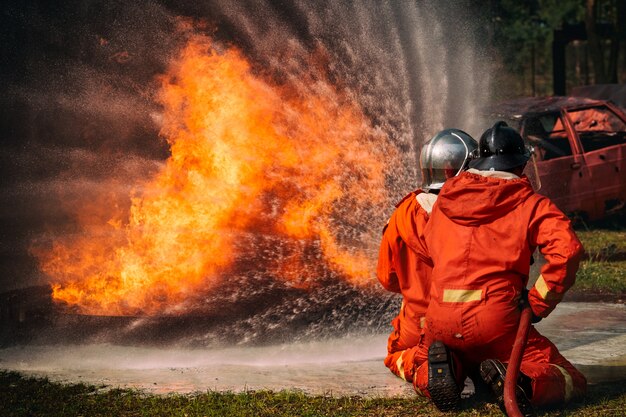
(613,60)
(596,50)
(605,72)
(619,34)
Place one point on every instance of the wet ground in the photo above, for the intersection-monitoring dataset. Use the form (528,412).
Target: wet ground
(591,335)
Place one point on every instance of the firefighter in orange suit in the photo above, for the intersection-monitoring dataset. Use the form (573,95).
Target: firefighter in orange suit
(480,237)
(399,267)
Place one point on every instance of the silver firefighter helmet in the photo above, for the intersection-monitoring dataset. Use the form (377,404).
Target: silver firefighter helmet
(445,156)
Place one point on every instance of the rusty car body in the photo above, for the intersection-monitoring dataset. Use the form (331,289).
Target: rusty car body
(579,147)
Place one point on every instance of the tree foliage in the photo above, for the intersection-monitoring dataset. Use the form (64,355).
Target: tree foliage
(523,34)
(521,27)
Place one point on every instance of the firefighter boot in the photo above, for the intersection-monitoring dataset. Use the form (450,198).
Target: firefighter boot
(493,372)
(444,391)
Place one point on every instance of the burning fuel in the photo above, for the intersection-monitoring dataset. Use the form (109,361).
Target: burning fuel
(243,178)
(250,154)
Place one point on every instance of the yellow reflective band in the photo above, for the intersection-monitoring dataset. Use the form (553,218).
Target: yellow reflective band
(423,322)
(569,383)
(542,288)
(400,365)
(462,296)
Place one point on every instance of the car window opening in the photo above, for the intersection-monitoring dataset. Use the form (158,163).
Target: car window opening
(547,135)
(598,128)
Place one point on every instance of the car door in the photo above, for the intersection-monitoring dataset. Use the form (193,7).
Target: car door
(601,133)
(563,175)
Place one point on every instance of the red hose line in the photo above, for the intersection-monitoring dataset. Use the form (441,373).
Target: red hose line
(512,371)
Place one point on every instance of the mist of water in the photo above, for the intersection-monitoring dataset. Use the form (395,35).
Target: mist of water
(88,119)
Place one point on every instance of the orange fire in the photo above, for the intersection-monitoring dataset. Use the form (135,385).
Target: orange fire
(248,155)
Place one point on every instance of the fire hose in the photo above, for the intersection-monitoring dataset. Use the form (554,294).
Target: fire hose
(513,368)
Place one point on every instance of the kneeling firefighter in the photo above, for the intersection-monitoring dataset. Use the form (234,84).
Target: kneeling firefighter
(400,269)
(480,237)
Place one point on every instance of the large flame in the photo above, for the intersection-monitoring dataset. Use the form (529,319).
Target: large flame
(248,155)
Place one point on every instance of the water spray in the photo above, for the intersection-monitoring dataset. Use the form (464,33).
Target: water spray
(161,237)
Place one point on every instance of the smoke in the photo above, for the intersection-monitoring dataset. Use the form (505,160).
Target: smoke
(78,114)
(80,119)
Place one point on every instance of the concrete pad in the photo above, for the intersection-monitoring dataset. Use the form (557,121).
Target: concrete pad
(591,335)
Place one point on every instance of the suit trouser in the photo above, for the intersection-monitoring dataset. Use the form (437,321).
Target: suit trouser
(554,380)
(402,346)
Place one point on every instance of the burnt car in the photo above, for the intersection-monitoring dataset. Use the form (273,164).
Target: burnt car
(579,146)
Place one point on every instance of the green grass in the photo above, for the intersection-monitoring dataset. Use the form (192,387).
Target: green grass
(601,277)
(604,268)
(20,396)
(602,271)
(601,244)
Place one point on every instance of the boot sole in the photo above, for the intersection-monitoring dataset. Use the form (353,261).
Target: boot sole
(493,373)
(443,389)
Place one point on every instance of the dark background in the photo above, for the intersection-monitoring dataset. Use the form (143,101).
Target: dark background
(78,83)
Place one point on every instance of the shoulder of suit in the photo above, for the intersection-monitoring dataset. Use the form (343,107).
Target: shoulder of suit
(409,196)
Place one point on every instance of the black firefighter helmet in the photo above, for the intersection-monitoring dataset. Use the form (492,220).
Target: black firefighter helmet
(500,148)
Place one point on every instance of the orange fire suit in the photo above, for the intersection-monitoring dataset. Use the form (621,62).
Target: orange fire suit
(401,270)
(480,237)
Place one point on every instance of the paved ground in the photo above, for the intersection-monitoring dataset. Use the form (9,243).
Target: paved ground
(591,335)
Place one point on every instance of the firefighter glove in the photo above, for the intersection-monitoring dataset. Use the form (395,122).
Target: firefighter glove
(523,302)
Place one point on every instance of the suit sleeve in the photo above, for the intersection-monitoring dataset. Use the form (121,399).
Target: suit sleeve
(551,232)
(385,270)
